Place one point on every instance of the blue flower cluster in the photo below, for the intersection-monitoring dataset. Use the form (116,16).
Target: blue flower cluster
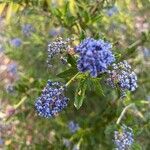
(146,52)
(57,47)
(123,77)
(67,143)
(112,11)
(95,56)
(1,48)
(1,142)
(73,127)
(123,139)
(16,42)
(9,88)
(52,100)
(56,31)
(27,29)
(12,69)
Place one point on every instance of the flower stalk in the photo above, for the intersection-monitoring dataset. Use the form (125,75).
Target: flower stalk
(72,79)
(123,112)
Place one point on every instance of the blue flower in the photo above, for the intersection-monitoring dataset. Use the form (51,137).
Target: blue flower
(59,46)
(94,56)
(123,139)
(52,100)
(111,11)
(123,77)
(1,48)
(12,69)
(73,127)
(56,31)
(146,52)
(1,142)
(16,42)
(148,97)
(66,142)
(9,88)
(27,29)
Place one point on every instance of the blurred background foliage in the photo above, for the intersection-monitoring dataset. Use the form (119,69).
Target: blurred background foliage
(124,23)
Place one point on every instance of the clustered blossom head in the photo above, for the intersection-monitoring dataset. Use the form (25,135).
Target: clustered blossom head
(9,88)
(95,56)
(73,127)
(146,52)
(123,77)
(123,139)
(112,11)
(1,141)
(16,42)
(56,31)
(59,46)
(27,29)
(1,48)
(52,100)
(12,69)
(66,142)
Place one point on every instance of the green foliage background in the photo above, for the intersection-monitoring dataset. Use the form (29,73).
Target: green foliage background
(101,107)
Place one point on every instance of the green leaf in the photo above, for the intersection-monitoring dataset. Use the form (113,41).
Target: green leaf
(98,87)
(96,18)
(86,16)
(136,146)
(68,73)
(80,94)
(82,35)
(71,60)
(72,7)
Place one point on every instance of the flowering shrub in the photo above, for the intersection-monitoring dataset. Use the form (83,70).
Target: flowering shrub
(74,75)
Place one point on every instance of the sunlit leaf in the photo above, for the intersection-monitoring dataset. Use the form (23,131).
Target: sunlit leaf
(2,6)
(71,60)
(72,7)
(80,94)
(68,73)
(9,12)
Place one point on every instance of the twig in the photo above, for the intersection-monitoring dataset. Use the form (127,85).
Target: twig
(22,101)
(124,111)
(131,48)
(72,79)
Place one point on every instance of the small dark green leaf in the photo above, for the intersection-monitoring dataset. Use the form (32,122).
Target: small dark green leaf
(136,146)
(98,87)
(82,35)
(80,94)
(68,73)
(66,8)
(96,18)
(71,60)
(86,16)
